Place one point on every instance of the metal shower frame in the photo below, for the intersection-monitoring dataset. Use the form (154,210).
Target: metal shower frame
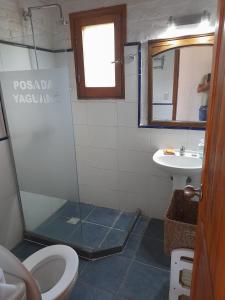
(27,14)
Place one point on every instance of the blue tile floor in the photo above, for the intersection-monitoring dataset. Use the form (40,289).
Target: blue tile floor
(97,228)
(140,272)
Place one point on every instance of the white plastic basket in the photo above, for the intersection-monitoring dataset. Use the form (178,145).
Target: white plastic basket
(181,273)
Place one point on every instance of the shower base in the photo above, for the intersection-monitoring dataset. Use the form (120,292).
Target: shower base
(93,231)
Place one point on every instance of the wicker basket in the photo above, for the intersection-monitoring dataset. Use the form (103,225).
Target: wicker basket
(180,223)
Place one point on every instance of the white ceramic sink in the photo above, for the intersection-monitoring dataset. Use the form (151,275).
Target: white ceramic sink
(184,165)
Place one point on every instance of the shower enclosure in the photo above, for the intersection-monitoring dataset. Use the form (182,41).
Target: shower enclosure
(37,93)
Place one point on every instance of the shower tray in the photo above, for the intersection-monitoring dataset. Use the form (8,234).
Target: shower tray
(93,231)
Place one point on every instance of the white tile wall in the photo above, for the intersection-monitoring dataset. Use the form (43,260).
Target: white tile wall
(102,136)
(127,114)
(102,158)
(99,195)
(114,156)
(80,113)
(14,28)
(131,138)
(115,165)
(102,114)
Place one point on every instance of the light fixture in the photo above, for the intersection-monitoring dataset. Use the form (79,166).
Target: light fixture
(205,25)
(171,22)
(205,19)
(189,19)
(171,26)
(187,24)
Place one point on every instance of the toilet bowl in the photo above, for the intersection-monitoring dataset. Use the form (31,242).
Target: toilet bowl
(49,274)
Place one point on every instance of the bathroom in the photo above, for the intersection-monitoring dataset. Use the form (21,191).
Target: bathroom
(88,148)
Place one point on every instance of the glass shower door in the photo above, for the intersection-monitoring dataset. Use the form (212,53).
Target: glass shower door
(39,117)
(38,87)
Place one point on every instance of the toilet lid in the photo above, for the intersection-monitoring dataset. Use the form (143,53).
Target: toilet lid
(70,272)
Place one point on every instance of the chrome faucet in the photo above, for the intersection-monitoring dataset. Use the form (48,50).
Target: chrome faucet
(182,150)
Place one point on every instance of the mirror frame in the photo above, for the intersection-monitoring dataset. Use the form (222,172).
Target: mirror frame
(159,46)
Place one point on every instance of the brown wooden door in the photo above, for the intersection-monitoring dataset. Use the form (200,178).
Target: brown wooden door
(208,281)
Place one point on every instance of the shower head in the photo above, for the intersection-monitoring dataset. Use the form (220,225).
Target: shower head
(27,13)
(63,22)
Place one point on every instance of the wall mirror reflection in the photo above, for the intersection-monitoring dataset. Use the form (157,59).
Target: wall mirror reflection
(179,81)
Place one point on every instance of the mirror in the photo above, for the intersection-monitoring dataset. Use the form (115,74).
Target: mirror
(179,81)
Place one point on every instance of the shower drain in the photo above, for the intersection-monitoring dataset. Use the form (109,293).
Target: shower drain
(73,220)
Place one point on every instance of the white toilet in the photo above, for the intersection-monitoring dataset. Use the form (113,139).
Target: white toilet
(48,274)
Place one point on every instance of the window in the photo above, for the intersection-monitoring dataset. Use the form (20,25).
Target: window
(98,38)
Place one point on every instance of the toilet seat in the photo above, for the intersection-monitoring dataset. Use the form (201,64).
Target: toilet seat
(70,272)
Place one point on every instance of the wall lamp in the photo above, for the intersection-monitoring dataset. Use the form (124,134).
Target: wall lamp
(203,18)
(189,24)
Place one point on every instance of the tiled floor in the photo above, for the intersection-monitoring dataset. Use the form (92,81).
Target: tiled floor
(140,272)
(99,228)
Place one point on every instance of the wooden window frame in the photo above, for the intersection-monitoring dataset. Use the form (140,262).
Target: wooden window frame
(117,15)
(175,82)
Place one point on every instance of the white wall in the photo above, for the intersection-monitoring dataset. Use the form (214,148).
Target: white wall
(115,165)
(114,157)
(15,29)
(146,19)
(163,86)
(163,78)
(196,62)
(110,131)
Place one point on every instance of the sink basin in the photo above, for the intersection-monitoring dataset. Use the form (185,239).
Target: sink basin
(186,165)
